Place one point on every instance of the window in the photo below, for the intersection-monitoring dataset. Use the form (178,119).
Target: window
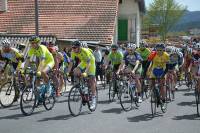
(120,1)
(3,5)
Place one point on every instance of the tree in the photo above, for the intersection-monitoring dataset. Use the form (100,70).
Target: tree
(166,14)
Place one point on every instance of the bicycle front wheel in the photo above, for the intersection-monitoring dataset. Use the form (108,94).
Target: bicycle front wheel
(28,101)
(197,97)
(125,97)
(75,100)
(49,101)
(7,94)
(153,103)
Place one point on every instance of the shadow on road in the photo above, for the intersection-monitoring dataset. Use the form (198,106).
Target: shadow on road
(9,107)
(113,110)
(104,102)
(185,89)
(187,117)
(18,116)
(192,103)
(145,117)
(189,94)
(61,117)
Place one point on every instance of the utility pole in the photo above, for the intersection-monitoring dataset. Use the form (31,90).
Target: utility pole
(36,18)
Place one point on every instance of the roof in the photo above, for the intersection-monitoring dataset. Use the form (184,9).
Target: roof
(91,20)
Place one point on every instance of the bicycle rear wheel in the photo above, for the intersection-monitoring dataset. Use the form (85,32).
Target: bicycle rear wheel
(125,97)
(113,91)
(75,100)
(7,94)
(154,102)
(28,100)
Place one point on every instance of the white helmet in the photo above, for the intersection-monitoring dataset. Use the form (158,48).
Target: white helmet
(197,46)
(131,46)
(189,50)
(6,43)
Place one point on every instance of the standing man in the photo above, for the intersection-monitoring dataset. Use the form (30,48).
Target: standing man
(98,58)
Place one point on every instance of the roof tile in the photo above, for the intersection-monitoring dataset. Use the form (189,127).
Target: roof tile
(83,19)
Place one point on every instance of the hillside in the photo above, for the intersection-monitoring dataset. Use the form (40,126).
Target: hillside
(188,21)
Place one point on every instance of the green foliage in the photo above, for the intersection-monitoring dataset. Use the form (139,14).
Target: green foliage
(165,13)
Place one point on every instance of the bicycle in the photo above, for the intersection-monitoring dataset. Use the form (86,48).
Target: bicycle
(79,96)
(32,95)
(114,87)
(10,90)
(128,92)
(156,98)
(145,88)
(106,76)
(188,80)
(170,87)
(197,96)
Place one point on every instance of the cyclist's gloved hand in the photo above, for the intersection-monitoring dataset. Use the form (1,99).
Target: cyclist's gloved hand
(84,74)
(67,74)
(39,73)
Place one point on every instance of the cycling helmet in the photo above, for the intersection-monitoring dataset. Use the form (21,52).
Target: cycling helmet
(114,46)
(160,45)
(84,44)
(197,46)
(34,39)
(6,43)
(143,44)
(76,44)
(189,50)
(169,50)
(131,46)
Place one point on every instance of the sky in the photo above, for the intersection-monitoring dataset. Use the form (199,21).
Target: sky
(192,5)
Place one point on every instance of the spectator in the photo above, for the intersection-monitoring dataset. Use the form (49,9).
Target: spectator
(98,59)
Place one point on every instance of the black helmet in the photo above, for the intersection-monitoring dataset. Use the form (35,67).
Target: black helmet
(35,39)
(114,46)
(76,44)
(160,45)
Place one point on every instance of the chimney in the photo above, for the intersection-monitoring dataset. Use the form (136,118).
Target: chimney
(3,5)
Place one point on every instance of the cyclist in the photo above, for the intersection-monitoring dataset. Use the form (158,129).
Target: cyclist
(116,58)
(188,61)
(46,60)
(11,55)
(85,67)
(172,65)
(195,65)
(58,58)
(158,66)
(144,52)
(132,61)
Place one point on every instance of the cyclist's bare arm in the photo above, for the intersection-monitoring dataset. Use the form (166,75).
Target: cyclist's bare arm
(136,66)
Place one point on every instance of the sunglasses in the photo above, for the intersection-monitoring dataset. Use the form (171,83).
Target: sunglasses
(114,49)
(74,47)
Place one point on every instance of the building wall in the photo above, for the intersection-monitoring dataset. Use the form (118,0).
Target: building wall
(129,9)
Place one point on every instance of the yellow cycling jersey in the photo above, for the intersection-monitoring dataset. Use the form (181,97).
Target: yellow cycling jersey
(85,56)
(13,55)
(160,61)
(42,53)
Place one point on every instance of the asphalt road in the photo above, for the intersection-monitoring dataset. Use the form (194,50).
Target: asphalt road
(108,118)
